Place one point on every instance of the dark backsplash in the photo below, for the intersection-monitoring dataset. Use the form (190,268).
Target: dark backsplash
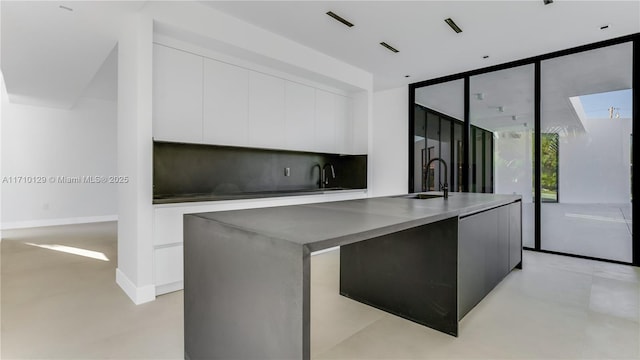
(185,169)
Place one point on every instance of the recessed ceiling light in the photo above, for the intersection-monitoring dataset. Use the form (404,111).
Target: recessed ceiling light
(65,8)
(453,25)
(407,76)
(340,18)
(514,117)
(500,108)
(604,27)
(485,57)
(480,96)
(389,47)
(547,2)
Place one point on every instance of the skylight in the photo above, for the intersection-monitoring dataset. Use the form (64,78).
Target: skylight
(605,105)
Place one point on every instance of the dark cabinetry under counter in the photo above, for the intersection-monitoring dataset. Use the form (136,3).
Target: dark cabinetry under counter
(490,246)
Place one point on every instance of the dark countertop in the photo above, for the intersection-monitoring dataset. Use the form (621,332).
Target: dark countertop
(324,225)
(171,199)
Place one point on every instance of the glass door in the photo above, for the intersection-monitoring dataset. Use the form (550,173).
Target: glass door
(586,122)
(502,126)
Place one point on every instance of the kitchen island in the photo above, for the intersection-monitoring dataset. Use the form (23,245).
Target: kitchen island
(247,272)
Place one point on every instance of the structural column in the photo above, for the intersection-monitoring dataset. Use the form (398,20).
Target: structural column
(135,211)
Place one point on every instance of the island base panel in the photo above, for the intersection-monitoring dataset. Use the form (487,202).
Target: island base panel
(246,296)
(411,273)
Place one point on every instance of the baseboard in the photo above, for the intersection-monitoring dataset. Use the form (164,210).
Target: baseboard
(167,288)
(54,222)
(139,295)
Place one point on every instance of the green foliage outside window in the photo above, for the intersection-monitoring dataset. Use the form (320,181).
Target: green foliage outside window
(549,167)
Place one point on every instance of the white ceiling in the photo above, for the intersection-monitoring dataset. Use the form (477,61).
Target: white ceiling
(49,54)
(504,30)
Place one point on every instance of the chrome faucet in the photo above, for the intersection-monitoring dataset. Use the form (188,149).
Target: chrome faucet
(444,187)
(324,174)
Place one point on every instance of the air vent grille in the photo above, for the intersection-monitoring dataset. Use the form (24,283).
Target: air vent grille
(453,25)
(340,18)
(389,47)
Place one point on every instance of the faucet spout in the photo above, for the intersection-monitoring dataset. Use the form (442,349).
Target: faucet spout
(324,173)
(444,187)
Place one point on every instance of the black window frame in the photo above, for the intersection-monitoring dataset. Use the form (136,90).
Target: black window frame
(634,39)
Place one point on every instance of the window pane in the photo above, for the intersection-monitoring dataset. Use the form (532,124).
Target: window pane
(502,103)
(585,158)
(549,167)
(436,108)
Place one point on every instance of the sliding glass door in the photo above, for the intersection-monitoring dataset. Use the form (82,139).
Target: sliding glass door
(502,103)
(586,123)
(556,129)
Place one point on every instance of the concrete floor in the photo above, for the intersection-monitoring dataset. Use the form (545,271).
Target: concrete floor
(60,305)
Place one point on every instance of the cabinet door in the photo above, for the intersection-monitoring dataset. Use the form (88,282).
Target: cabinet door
(168,264)
(325,121)
(489,231)
(343,130)
(266,111)
(484,241)
(177,95)
(515,234)
(502,262)
(226,104)
(471,262)
(360,127)
(300,101)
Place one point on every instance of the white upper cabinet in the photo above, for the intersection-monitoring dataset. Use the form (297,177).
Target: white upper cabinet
(177,95)
(360,128)
(325,121)
(344,125)
(201,100)
(266,111)
(300,101)
(226,104)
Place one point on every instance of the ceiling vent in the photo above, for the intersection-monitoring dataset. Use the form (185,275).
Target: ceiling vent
(340,18)
(389,47)
(453,25)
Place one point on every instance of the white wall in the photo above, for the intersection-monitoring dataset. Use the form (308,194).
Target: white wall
(2,90)
(388,153)
(594,166)
(46,142)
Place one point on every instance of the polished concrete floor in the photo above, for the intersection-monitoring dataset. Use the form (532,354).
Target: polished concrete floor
(59,300)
